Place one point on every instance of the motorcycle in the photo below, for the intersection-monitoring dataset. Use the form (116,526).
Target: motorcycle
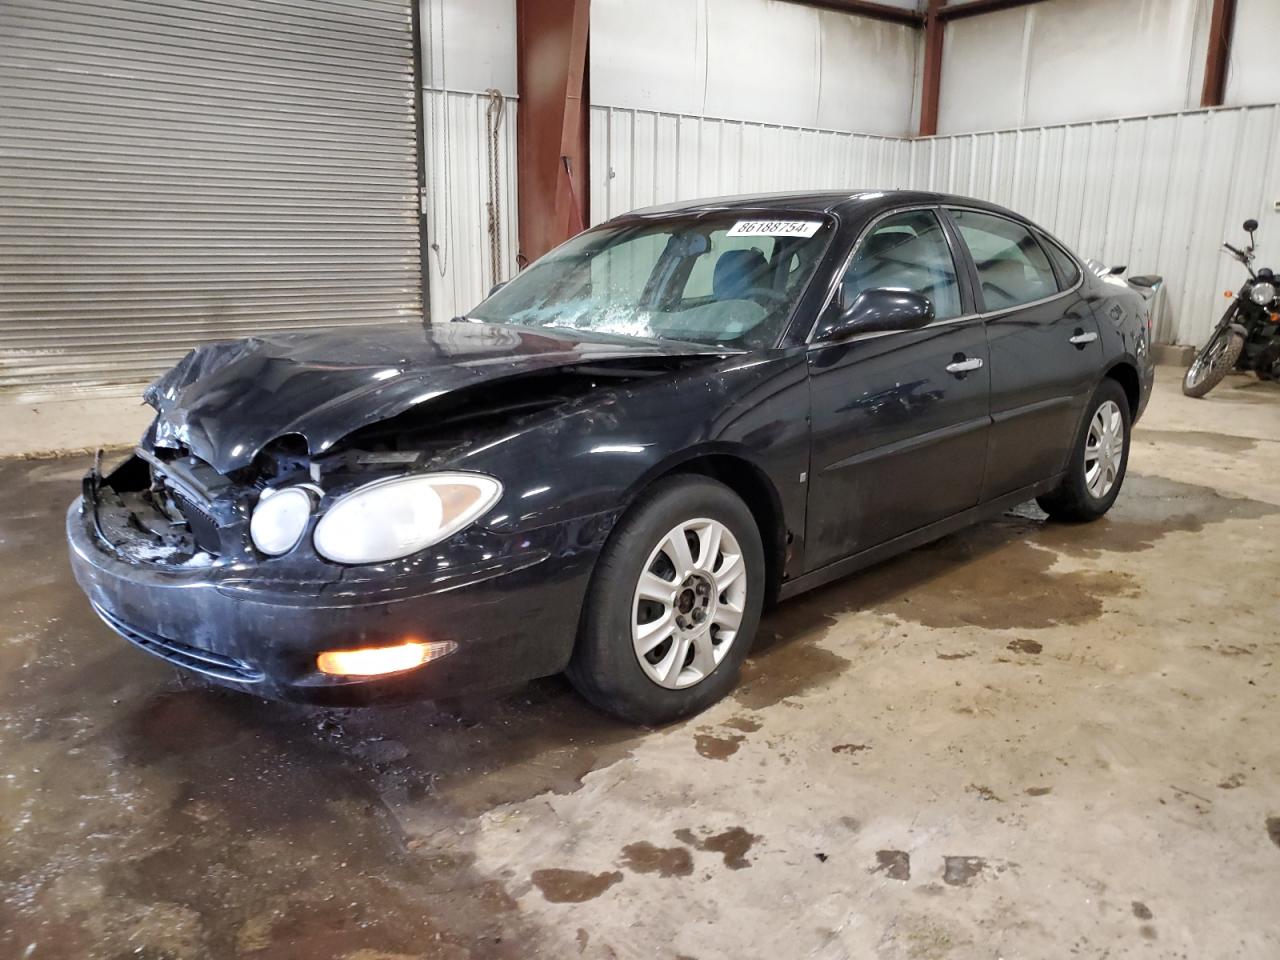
(1248,335)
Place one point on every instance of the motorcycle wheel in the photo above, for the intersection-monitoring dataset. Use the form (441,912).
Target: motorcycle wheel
(1214,361)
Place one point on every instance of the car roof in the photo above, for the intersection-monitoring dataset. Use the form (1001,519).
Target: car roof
(840,202)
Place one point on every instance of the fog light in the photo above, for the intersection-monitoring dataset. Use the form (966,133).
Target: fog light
(374,661)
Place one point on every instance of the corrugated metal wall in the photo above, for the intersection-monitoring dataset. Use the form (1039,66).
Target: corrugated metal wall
(190,170)
(456,129)
(1157,193)
(468,54)
(639,158)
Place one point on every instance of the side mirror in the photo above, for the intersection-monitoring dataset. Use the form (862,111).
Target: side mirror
(498,286)
(877,311)
(1251,225)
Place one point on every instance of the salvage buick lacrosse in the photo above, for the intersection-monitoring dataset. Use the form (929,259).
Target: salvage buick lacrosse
(616,460)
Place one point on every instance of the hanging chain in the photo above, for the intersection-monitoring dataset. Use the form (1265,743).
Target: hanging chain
(442,199)
(493,119)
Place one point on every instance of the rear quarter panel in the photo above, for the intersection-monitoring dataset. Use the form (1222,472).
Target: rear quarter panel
(1124,329)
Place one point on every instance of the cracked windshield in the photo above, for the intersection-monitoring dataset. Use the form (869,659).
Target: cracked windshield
(729,280)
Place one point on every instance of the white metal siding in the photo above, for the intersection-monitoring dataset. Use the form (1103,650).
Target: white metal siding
(1157,193)
(468,54)
(186,170)
(456,128)
(640,158)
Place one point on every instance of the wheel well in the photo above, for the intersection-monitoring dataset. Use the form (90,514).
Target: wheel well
(1127,376)
(758,493)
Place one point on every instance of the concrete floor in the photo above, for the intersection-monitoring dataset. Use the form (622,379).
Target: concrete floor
(1027,740)
(71,425)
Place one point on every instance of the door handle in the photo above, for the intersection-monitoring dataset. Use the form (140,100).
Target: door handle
(1080,338)
(963,365)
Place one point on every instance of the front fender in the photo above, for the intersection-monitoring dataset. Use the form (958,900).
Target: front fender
(676,460)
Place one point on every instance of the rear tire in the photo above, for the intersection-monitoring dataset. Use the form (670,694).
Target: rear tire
(1099,458)
(664,629)
(1213,362)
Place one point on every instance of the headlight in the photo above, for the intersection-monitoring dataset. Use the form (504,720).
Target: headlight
(392,518)
(280,519)
(1263,293)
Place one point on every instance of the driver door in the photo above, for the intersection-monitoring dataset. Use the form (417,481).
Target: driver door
(900,420)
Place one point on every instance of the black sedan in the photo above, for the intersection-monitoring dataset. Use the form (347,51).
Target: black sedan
(616,460)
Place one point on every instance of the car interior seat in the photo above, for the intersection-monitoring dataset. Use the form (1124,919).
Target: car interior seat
(737,273)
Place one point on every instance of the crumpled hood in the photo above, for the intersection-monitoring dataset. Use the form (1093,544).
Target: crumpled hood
(225,401)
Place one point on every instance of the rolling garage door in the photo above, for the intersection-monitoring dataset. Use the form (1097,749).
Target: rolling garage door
(175,171)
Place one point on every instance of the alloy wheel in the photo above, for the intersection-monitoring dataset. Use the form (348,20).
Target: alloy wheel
(688,603)
(1103,449)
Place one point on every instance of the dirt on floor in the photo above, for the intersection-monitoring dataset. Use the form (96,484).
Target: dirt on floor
(1025,740)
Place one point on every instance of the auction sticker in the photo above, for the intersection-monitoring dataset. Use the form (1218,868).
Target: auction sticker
(775,228)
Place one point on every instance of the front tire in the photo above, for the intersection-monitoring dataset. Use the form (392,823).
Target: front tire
(1213,362)
(1098,461)
(674,603)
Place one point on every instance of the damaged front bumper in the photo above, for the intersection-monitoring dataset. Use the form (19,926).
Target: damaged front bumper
(512,619)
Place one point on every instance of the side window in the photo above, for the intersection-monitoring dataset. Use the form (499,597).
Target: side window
(906,251)
(1067,268)
(1012,267)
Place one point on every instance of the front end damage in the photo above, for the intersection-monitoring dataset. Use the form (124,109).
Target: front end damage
(163,547)
(161,544)
(179,578)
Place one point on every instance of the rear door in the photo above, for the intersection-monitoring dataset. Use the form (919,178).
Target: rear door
(1045,355)
(899,419)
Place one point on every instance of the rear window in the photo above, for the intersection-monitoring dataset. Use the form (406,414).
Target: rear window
(1012,267)
(1062,262)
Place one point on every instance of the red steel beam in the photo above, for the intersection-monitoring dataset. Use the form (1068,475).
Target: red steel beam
(955,11)
(1215,67)
(946,11)
(866,8)
(551,126)
(931,83)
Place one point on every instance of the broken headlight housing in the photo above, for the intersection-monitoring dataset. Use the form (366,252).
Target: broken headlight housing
(394,517)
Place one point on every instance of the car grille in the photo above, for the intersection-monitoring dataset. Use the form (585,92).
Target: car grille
(203,527)
(191,658)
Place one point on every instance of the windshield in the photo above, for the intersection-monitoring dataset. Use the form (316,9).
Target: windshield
(724,279)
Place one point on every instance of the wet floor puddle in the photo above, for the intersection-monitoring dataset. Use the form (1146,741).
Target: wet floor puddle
(644,857)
